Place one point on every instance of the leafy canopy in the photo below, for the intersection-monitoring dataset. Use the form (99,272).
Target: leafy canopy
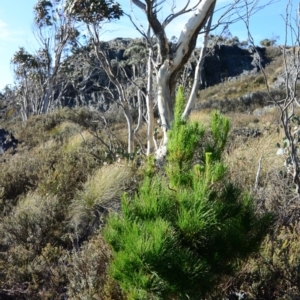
(94,11)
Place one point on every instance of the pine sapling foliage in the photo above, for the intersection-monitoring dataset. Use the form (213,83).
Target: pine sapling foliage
(185,228)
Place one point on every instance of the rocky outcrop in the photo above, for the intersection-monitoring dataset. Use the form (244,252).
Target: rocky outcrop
(247,132)
(89,87)
(229,62)
(7,141)
(290,73)
(222,63)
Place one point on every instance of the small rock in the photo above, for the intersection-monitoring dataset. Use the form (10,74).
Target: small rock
(7,141)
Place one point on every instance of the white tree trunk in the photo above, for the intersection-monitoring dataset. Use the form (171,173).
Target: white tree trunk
(169,67)
(149,105)
(46,99)
(24,107)
(194,24)
(130,136)
(164,101)
(199,67)
(140,112)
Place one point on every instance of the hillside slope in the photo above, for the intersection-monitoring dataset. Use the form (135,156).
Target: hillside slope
(70,170)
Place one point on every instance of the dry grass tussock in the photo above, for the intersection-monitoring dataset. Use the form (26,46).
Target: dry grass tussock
(18,174)
(102,191)
(30,219)
(243,158)
(77,140)
(201,116)
(63,127)
(265,121)
(239,119)
(31,234)
(233,89)
(63,133)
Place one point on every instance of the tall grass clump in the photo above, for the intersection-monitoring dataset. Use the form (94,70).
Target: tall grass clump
(102,190)
(187,227)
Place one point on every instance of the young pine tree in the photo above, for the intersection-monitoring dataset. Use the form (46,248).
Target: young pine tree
(186,228)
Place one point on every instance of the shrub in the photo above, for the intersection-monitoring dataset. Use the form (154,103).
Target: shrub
(88,275)
(18,176)
(184,229)
(67,174)
(36,129)
(268,42)
(32,221)
(32,236)
(274,273)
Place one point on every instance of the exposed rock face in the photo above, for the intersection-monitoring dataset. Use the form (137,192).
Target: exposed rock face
(92,81)
(290,73)
(7,141)
(247,132)
(228,62)
(264,110)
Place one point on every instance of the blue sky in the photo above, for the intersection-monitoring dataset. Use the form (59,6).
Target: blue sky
(16,18)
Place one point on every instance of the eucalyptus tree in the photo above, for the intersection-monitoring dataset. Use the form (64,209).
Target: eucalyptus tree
(171,59)
(93,15)
(137,57)
(26,69)
(55,32)
(7,102)
(166,59)
(140,54)
(38,75)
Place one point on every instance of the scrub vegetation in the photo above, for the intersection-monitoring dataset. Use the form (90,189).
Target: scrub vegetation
(128,179)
